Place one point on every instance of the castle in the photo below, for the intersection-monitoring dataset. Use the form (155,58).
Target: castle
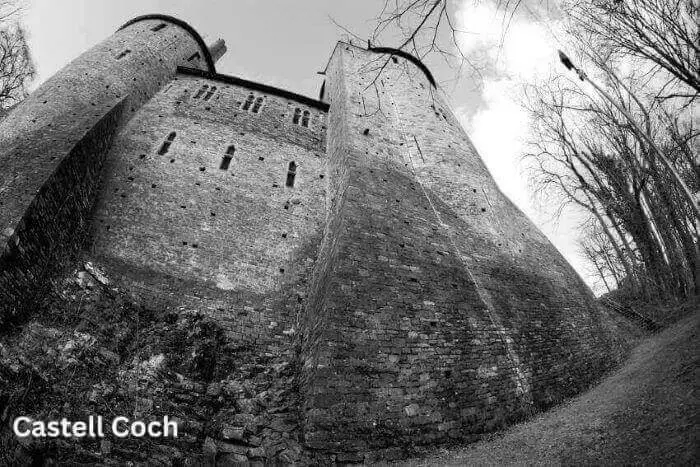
(360,232)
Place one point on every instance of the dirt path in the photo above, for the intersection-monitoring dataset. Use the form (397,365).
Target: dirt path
(645,413)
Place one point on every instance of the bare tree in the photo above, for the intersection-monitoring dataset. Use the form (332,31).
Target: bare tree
(426,29)
(419,27)
(640,150)
(626,155)
(586,153)
(16,65)
(663,32)
(602,253)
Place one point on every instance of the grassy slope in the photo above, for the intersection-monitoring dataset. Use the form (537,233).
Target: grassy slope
(645,413)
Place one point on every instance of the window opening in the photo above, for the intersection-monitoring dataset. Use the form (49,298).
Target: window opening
(210,93)
(257,105)
(297,116)
(201,91)
(165,147)
(248,102)
(291,174)
(226,160)
(305,119)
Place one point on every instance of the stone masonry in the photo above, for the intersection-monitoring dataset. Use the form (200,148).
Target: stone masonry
(360,233)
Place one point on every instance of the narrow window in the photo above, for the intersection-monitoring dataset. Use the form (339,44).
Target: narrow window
(210,93)
(166,144)
(248,102)
(194,56)
(159,27)
(258,104)
(291,173)
(123,54)
(305,119)
(201,91)
(297,115)
(226,160)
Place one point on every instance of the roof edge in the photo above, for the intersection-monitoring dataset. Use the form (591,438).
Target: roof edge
(415,60)
(178,22)
(388,50)
(253,85)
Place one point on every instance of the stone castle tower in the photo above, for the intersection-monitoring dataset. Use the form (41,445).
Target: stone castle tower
(361,231)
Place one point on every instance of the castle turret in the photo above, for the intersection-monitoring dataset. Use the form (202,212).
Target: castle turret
(53,144)
(439,311)
(217,49)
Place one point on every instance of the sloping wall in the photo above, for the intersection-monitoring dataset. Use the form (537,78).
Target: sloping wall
(439,312)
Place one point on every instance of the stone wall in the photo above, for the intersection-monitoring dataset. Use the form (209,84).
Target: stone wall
(54,220)
(38,142)
(439,312)
(196,210)
(368,256)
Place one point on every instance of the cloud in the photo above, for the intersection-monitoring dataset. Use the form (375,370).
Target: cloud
(525,52)
(499,126)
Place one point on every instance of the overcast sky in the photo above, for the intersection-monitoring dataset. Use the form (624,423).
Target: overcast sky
(284,43)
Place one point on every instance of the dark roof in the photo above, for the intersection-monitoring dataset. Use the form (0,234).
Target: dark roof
(253,85)
(407,56)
